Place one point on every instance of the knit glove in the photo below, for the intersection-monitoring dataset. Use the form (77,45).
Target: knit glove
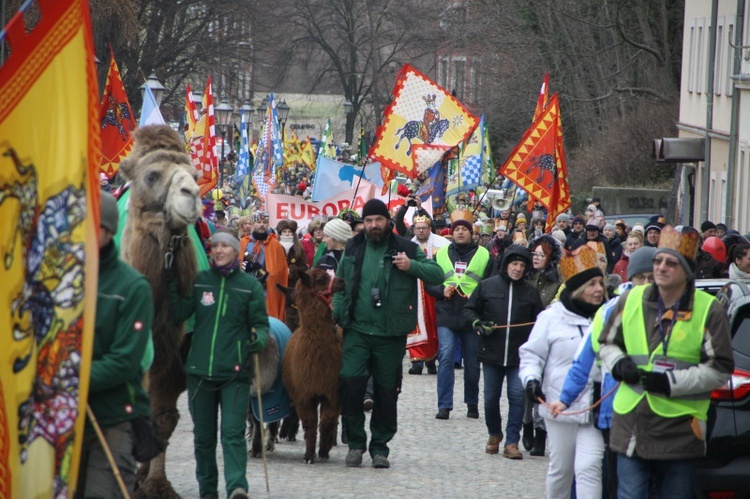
(254,345)
(626,370)
(485,328)
(534,391)
(655,382)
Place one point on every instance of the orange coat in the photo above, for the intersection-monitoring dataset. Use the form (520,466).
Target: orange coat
(278,272)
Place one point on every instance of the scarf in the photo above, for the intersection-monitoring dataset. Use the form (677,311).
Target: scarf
(578,307)
(736,273)
(287,242)
(225,270)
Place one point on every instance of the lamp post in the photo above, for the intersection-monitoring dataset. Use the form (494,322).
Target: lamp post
(283,111)
(224,117)
(349,110)
(247,109)
(156,88)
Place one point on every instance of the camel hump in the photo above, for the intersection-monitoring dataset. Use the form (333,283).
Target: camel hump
(153,137)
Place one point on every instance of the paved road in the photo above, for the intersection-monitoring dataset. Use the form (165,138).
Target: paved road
(429,458)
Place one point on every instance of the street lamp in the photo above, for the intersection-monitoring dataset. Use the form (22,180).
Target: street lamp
(248,110)
(283,111)
(262,108)
(224,116)
(156,88)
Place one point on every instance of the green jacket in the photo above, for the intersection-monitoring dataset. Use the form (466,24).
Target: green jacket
(365,266)
(230,323)
(124,316)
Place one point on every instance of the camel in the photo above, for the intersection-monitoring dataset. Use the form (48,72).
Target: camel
(312,361)
(164,201)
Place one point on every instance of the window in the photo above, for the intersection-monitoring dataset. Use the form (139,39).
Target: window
(718,66)
(459,78)
(691,60)
(728,84)
(443,73)
(699,59)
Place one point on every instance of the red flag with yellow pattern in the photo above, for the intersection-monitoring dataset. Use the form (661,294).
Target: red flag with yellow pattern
(537,164)
(49,207)
(116,121)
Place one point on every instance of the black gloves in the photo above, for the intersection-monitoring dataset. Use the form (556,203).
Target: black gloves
(626,370)
(534,391)
(655,382)
(485,328)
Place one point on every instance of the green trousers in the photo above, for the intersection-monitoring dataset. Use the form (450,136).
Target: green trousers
(381,357)
(204,400)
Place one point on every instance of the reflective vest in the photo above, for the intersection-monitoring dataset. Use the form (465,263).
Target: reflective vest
(683,351)
(467,282)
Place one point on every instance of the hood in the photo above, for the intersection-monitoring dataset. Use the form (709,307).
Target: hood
(515,252)
(555,254)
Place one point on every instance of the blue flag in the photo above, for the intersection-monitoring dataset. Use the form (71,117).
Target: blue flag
(150,113)
(332,177)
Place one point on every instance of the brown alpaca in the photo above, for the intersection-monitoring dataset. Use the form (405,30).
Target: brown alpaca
(312,361)
(164,201)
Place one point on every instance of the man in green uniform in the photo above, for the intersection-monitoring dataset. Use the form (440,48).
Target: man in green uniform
(124,313)
(377,310)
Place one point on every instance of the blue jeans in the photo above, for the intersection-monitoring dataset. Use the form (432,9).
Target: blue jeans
(493,387)
(674,477)
(446,376)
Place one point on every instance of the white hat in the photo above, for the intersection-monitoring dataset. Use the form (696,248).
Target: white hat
(338,230)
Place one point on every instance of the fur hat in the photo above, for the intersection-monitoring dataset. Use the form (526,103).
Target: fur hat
(338,230)
(682,244)
(109,217)
(316,223)
(286,224)
(375,207)
(642,260)
(578,266)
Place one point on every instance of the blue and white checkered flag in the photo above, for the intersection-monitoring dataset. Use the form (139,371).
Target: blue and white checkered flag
(471,172)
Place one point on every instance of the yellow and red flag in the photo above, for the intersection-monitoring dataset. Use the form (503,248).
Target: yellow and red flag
(49,205)
(543,100)
(537,164)
(307,152)
(192,115)
(421,113)
(202,140)
(116,121)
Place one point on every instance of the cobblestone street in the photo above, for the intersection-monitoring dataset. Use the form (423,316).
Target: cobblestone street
(429,458)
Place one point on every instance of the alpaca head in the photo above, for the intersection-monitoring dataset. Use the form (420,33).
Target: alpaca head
(163,178)
(317,282)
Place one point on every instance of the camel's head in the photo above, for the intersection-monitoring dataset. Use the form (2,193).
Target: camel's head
(163,178)
(320,282)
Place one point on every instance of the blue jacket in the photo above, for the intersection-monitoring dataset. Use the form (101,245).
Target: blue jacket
(585,361)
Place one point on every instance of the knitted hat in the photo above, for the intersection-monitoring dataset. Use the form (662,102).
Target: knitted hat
(559,235)
(609,227)
(721,226)
(653,227)
(638,228)
(642,260)
(337,230)
(260,214)
(286,224)
(463,223)
(224,236)
(375,207)
(446,232)
(579,220)
(563,216)
(592,226)
(684,245)
(707,225)
(109,217)
(578,266)
(520,219)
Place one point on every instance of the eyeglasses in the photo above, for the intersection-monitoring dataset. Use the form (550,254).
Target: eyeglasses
(538,255)
(666,261)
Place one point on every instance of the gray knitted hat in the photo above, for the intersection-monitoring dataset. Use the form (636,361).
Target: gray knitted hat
(642,260)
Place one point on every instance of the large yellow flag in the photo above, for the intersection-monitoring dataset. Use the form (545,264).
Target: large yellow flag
(49,198)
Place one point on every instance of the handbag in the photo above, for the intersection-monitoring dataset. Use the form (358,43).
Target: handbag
(146,442)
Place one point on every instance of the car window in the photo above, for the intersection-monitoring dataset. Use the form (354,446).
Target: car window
(741,343)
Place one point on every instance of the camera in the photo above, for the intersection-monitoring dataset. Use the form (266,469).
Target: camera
(411,201)
(377,302)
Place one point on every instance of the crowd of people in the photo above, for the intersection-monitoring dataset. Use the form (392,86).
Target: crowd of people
(562,312)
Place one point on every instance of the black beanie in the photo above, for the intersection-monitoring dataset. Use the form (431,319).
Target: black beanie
(375,207)
(706,225)
(464,223)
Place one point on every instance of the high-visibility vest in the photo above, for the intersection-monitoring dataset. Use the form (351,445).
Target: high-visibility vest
(466,282)
(684,350)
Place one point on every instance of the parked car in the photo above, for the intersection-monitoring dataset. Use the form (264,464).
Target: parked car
(723,472)
(632,218)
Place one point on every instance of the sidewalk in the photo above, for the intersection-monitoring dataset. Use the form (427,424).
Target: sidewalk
(429,458)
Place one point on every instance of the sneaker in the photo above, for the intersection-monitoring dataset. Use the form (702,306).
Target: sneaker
(443,414)
(511,452)
(354,458)
(493,445)
(239,493)
(379,461)
(367,406)
(416,368)
(473,411)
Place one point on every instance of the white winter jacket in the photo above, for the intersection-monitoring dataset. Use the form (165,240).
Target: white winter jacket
(548,356)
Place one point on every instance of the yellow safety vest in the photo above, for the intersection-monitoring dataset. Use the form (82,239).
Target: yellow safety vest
(684,351)
(467,282)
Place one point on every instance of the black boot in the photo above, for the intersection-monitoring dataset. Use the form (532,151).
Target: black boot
(540,442)
(528,436)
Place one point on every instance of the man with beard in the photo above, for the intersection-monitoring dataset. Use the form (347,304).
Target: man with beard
(264,257)
(423,342)
(377,310)
(464,264)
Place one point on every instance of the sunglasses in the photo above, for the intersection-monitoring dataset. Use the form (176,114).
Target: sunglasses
(666,261)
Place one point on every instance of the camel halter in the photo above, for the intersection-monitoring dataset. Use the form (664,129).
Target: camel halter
(159,204)
(327,295)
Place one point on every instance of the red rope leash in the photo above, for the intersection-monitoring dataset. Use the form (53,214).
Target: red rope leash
(587,409)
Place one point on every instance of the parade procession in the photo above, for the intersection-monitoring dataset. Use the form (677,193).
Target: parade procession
(374,249)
